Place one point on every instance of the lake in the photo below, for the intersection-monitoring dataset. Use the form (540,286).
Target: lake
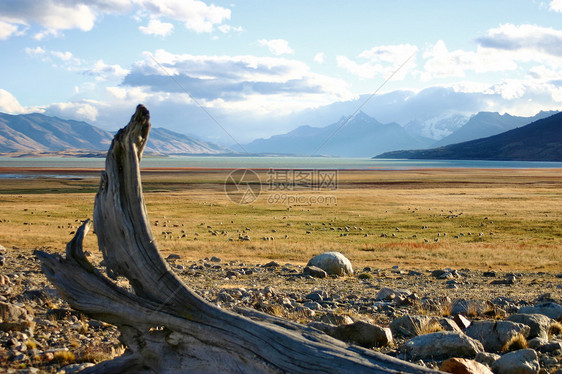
(219,162)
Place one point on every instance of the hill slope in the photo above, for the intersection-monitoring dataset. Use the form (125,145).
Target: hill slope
(356,137)
(39,133)
(538,141)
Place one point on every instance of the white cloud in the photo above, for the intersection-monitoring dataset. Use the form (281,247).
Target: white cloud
(83,110)
(556,5)
(55,16)
(236,83)
(66,60)
(156,27)
(103,71)
(319,58)
(195,14)
(381,61)
(9,104)
(525,38)
(277,47)
(7,30)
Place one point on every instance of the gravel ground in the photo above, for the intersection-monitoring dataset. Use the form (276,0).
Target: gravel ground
(51,337)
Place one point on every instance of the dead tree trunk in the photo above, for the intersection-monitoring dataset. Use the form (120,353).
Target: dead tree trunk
(165,326)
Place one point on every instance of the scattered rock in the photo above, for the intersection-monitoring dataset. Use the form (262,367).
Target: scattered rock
(441,345)
(461,321)
(13,313)
(487,358)
(524,361)
(464,366)
(495,334)
(315,272)
(411,325)
(389,294)
(271,264)
(361,333)
(333,263)
(449,325)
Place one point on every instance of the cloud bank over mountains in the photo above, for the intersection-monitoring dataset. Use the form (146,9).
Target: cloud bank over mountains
(513,67)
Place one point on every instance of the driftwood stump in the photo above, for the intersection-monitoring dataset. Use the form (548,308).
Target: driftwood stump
(165,326)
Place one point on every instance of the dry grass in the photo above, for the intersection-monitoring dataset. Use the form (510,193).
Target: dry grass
(479,219)
(515,343)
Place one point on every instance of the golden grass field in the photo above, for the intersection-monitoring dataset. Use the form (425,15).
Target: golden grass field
(508,220)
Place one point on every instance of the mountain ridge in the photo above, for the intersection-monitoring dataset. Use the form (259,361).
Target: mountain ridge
(36,132)
(349,137)
(540,140)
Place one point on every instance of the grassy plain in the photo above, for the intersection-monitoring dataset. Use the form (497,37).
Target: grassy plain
(509,220)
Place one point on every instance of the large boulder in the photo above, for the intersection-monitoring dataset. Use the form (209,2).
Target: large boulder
(333,263)
(495,334)
(441,345)
(539,324)
(524,361)
(549,309)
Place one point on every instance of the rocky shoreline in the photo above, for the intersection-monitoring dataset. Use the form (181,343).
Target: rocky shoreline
(441,318)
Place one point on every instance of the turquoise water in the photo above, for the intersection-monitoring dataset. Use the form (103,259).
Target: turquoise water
(274,162)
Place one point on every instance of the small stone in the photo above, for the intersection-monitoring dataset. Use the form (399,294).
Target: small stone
(271,264)
(215,259)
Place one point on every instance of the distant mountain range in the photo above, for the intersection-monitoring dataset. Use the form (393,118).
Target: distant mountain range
(485,124)
(537,141)
(349,137)
(356,136)
(39,133)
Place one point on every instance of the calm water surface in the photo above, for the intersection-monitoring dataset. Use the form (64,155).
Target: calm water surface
(268,162)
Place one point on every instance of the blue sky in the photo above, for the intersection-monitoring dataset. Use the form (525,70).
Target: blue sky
(256,65)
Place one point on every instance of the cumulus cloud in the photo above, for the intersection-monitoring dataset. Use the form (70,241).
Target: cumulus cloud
(442,63)
(9,104)
(157,27)
(556,5)
(528,38)
(7,30)
(195,14)
(277,47)
(230,77)
(81,110)
(319,58)
(55,16)
(237,83)
(381,61)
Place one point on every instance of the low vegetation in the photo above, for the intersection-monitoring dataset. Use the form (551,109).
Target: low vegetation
(478,219)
